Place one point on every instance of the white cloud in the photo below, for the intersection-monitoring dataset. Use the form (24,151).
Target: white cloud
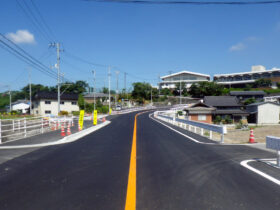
(21,37)
(237,47)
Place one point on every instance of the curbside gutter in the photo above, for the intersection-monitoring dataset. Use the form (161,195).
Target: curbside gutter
(67,139)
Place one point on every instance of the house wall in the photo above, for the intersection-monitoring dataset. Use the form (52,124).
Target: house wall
(268,114)
(194,117)
(40,107)
(21,107)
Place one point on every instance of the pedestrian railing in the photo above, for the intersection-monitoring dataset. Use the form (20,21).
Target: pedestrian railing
(193,125)
(12,129)
(273,142)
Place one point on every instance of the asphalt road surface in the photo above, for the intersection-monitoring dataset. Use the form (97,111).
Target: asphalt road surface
(172,173)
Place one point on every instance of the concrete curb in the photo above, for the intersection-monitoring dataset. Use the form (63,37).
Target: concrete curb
(67,139)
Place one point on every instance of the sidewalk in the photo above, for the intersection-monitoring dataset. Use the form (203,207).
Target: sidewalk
(48,137)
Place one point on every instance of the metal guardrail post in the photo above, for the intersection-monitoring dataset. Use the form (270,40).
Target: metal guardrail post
(211,135)
(13,125)
(222,136)
(42,125)
(19,125)
(24,124)
(201,131)
(0,131)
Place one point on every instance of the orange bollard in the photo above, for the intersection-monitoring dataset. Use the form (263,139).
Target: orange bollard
(62,130)
(68,130)
(252,138)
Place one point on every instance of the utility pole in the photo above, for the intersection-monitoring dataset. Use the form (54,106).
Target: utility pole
(109,80)
(94,89)
(57,45)
(158,84)
(151,95)
(180,91)
(117,91)
(30,93)
(125,85)
(10,98)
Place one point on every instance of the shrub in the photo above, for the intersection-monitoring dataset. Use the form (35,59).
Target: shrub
(180,113)
(75,113)
(249,101)
(228,119)
(239,125)
(217,119)
(62,113)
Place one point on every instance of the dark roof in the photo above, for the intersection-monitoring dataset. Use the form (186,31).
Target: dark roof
(261,103)
(231,111)
(218,101)
(53,95)
(247,93)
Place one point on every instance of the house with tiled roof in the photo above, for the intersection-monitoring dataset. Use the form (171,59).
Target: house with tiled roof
(46,103)
(226,106)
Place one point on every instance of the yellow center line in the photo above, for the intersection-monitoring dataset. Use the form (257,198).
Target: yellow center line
(130,203)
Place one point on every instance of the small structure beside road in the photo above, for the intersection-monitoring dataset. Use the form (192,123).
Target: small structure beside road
(263,113)
(21,105)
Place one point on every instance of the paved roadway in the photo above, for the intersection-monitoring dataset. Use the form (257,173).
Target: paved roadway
(172,173)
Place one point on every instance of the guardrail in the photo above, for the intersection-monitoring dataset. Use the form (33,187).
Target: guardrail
(12,129)
(203,126)
(273,142)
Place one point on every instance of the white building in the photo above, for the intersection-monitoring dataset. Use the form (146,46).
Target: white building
(187,77)
(243,78)
(264,113)
(21,106)
(46,103)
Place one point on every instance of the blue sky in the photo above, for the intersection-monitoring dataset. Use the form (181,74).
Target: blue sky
(143,40)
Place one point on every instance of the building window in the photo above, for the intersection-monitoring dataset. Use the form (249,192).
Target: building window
(48,112)
(202,117)
(74,103)
(47,102)
(61,102)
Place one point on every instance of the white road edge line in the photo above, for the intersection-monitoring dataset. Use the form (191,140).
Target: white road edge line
(244,163)
(192,139)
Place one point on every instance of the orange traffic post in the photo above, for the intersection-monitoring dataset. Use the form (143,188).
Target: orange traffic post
(62,130)
(68,129)
(252,138)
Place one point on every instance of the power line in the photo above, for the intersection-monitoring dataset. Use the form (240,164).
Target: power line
(33,22)
(42,19)
(26,55)
(189,2)
(24,59)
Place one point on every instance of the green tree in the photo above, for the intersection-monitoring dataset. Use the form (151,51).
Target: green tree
(278,84)
(105,90)
(141,91)
(177,89)
(166,92)
(77,87)
(81,102)
(202,89)
(262,83)
(249,101)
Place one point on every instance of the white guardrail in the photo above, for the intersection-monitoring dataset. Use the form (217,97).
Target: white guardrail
(12,129)
(222,130)
(273,142)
